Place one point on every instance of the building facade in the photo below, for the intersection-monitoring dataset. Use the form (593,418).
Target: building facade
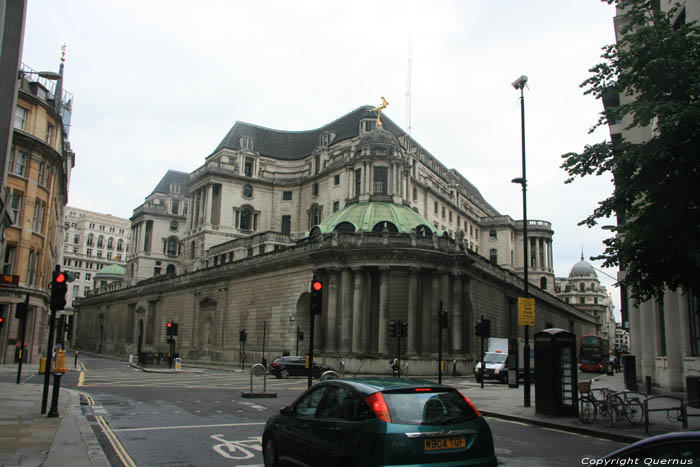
(582,290)
(664,334)
(38,169)
(158,228)
(391,232)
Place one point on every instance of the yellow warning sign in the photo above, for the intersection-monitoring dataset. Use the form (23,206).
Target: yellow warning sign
(526,311)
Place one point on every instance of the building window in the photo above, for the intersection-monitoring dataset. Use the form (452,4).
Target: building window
(247,190)
(358,182)
(156,271)
(99,253)
(493,256)
(88,252)
(175,206)
(336,205)
(582,287)
(172,246)
(9,260)
(173,225)
(110,243)
(248,168)
(582,300)
(436,208)
(20,163)
(21,117)
(543,286)
(314,215)
(415,194)
(76,290)
(246,218)
(88,276)
(286,196)
(381,178)
(42,177)
(49,133)
(90,239)
(246,143)
(38,221)
(175,188)
(336,180)
(15,207)
(443,212)
(100,241)
(317,164)
(31,267)
(314,189)
(286,224)
(493,235)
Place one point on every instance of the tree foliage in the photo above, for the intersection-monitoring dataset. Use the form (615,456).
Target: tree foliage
(655,70)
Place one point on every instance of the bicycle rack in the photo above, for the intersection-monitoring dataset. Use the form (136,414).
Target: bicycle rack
(258,370)
(330,374)
(664,409)
(685,414)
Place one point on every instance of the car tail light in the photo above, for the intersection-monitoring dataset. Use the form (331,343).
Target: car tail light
(378,405)
(478,414)
(275,364)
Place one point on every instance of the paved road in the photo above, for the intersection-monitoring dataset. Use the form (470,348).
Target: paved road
(151,419)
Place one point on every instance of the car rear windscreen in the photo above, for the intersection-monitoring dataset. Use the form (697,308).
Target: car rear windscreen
(419,407)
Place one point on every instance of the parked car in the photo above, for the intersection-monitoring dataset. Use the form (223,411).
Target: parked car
(284,367)
(681,446)
(378,421)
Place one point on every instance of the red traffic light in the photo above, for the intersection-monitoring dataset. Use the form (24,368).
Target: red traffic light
(317,286)
(170,324)
(60,278)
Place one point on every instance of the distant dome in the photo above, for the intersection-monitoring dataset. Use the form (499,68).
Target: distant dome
(582,269)
(111,271)
(379,136)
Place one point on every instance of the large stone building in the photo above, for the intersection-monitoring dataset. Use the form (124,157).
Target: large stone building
(357,203)
(664,334)
(38,168)
(583,291)
(157,229)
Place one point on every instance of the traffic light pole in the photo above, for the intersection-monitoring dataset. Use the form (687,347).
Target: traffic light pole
(47,367)
(311,349)
(440,344)
(481,368)
(22,333)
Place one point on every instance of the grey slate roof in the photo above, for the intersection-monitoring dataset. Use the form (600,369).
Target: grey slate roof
(292,145)
(172,176)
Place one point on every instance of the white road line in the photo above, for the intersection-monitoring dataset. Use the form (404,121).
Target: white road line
(187,427)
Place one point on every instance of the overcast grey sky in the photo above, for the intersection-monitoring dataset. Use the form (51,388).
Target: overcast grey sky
(158,84)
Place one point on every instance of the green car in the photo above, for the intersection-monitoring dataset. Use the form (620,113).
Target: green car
(378,421)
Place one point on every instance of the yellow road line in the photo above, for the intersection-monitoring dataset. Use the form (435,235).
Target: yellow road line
(111,437)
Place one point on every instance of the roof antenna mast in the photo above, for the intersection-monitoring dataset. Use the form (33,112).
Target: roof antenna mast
(408,91)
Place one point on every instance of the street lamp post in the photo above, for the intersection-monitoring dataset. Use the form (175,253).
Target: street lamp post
(520,84)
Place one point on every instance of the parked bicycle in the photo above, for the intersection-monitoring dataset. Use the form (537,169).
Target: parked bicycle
(607,407)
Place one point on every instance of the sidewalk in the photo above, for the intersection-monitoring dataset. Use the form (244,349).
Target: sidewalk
(500,401)
(28,438)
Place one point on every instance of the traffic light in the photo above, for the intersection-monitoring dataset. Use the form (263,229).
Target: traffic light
(242,335)
(169,328)
(2,318)
(58,289)
(316,297)
(479,329)
(443,320)
(393,328)
(487,327)
(404,328)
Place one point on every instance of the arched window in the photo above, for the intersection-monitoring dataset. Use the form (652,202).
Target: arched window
(380,226)
(247,190)
(543,283)
(345,227)
(172,246)
(424,231)
(120,244)
(170,269)
(582,287)
(493,255)
(110,243)
(90,239)
(100,241)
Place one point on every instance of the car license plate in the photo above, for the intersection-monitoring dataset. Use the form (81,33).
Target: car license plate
(437,444)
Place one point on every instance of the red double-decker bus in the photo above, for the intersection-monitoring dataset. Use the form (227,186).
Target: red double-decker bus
(593,353)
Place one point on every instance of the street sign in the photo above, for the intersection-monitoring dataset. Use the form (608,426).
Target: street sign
(526,311)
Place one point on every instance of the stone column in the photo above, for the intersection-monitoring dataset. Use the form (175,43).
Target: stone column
(383,310)
(331,310)
(648,356)
(456,324)
(357,311)
(346,311)
(412,339)
(426,305)
(207,209)
(366,344)
(674,353)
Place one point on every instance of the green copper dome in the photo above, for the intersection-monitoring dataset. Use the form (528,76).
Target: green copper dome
(375,217)
(111,270)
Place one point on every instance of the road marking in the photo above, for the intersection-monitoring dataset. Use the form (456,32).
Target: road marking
(188,427)
(118,447)
(246,447)
(253,405)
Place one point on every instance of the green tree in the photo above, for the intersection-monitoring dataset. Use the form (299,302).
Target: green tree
(656,196)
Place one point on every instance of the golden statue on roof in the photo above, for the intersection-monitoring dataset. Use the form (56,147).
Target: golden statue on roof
(379,110)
